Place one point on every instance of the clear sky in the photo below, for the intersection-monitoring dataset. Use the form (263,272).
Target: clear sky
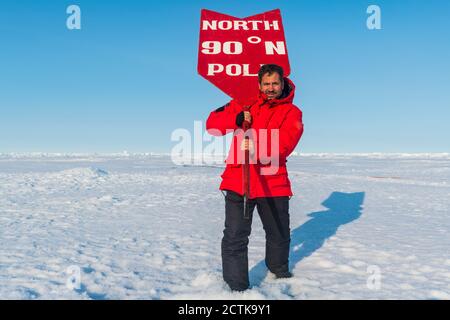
(128,78)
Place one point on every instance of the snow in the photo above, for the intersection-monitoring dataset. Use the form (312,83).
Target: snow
(137,226)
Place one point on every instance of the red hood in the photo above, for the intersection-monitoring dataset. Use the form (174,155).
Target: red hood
(286,97)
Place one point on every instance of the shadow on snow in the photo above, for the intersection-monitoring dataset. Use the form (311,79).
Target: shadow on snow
(342,208)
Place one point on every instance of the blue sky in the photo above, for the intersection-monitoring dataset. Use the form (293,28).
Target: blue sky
(128,78)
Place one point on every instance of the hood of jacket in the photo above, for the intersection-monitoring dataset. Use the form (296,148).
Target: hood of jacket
(287,96)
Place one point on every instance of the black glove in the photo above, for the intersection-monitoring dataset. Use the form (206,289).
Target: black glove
(240,119)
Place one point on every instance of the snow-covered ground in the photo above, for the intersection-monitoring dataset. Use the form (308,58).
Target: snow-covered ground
(139,227)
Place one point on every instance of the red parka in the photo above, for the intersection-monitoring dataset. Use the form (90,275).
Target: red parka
(283,126)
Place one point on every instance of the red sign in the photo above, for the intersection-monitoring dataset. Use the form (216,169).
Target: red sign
(231,50)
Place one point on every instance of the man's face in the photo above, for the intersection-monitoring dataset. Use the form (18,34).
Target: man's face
(271,85)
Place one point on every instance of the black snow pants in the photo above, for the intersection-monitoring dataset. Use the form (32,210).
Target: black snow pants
(274,214)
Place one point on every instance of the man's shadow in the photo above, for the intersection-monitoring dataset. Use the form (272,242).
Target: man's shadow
(342,207)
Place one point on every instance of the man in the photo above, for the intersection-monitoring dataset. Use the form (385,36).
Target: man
(271,115)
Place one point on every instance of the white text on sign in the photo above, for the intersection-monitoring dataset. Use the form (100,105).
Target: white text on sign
(235,47)
(240,25)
